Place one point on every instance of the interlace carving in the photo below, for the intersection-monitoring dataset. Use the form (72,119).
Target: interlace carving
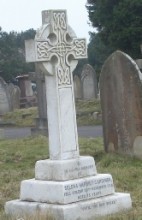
(61,48)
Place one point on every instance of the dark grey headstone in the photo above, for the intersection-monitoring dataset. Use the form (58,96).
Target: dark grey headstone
(41,122)
(89,82)
(121,101)
(4,99)
(14,96)
(77,87)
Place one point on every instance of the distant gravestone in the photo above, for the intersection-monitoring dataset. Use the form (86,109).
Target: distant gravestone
(41,121)
(121,101)
(14,96)
(4,100)
(25,85)
(41,96)
(89,82)
(27,98)
(77,87)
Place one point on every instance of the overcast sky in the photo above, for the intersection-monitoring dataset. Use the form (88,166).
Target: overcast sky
(21,15)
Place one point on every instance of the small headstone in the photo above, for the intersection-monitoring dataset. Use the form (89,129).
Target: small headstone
(121,101)
(25,85)
(89,82)
(77,87)
(66,186)
(41,121)
(4,97)
(14,96)
(27,98)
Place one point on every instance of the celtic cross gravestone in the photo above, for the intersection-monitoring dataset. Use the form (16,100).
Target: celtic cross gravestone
(67,185)
(56,51)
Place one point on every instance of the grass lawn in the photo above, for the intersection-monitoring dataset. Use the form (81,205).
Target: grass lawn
(18,157)
(84,109)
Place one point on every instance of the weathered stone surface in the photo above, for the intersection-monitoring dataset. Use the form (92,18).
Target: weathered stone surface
(27,98)
(62,170)
(14,96)
(84,210)
(65,192)
(77,87)
(121,101)
(25,85)
(41,126)
(89,82)
(4,97)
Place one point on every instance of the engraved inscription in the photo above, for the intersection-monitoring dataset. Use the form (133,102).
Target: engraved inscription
(89,189)
(78,169)
(106,204)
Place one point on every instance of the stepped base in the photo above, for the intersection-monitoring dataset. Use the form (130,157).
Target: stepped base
(63,170)
(86,210)
(58,192)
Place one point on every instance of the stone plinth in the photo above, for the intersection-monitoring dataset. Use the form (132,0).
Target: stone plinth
(61,170)
(66,192)
(84,210)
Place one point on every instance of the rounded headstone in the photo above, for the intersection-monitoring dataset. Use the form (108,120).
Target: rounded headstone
(121,101)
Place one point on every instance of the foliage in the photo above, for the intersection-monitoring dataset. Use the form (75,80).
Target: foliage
(79,67)
(12,56)
(119,27)
(97,52)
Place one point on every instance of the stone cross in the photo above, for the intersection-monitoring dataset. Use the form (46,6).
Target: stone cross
(56,50)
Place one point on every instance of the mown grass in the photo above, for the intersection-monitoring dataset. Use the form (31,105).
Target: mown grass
(21,117)
(26,117)
(18,157)
(85,110)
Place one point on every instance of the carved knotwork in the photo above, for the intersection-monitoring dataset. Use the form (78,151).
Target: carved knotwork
(61,48)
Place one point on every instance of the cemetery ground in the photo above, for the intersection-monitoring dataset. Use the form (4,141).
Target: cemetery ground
(88,113)
(18,157)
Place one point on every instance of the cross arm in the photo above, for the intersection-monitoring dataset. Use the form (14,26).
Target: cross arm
(30,53)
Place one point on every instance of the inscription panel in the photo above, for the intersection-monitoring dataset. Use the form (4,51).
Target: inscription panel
(88,188)
(66,192)
(65,169)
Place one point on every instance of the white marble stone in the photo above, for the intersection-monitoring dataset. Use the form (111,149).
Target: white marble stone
(56,50)
(65,169)
(67,191)
(84,210)
(67,186)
